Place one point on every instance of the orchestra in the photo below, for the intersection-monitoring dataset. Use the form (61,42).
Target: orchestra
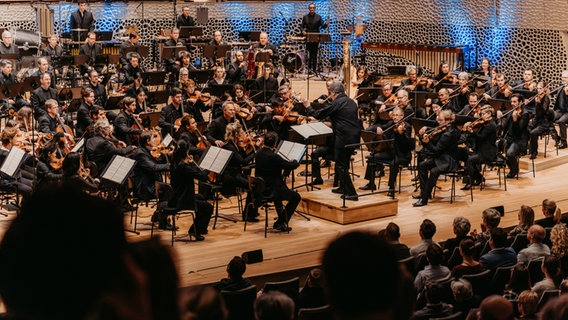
(252,113)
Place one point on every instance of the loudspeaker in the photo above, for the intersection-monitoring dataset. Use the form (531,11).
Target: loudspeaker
(253,256)
(202,15)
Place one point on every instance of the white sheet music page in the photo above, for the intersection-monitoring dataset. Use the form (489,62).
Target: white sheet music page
(305,130)
(221,161)
(118,169)
(208,158)
(79,145)
(12,161)
(167,140)
(321,128)
(292,150)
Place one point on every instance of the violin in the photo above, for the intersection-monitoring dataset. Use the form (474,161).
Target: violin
(159,150)
(56,163)
(476,124)
(392,99)
(531,85)
(505,88)
(246,144)
(434,132)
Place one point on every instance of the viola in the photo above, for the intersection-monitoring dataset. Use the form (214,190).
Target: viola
(68,139)
(159,150)
(203,142)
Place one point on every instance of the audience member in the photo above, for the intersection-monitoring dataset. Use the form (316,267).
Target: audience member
(519,282)
(555,309)
(564,286)
(463,296)
(500,255)
(364,280)
(559,239)
(551,212)
(526,219)
(495,308)
(434,308)
(461,230)
(427,231)
(312,294)
(434,271)
(202,302)
(235,281)
(527,305)
(552,276)
(392,234)
(490,220)
(469,265)
(536,248)
(274,305)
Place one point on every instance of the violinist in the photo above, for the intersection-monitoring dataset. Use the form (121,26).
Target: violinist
(217,40)
(8,78)
(141,101)
(194,102)
(440,148)
(561,110)
(43,68)
(515,134)
(462,92)
(98,88)
(237,70)
(284,115)
(445,101)
(133,39)
(473,103)
(49,166)
(234,176)
(543,122)
(189,132)
(359,79)
(528,83)
(42,94)
(91,49)
(501,90)
(484,71)
(133,69)
(413,83)
(404,103)
(267,82)
(171,112)
(483,132)
(127,128)
(383,101)
(265,47)
(148,169)
(83,118)
(215,132)
(48,123)
(444,76)
(75,172)
(135,88)
(25,120)
(218,78)
(399,153)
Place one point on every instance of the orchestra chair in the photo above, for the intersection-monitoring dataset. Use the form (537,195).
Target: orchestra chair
(216,189)
(454,259)
(134,202)
(500,279)
(164,193)
(408,263)
(480,282)
(331,159)
(319,313)
(453,175)
(455,316)
(547,135)
(535,270)
(240,303)
(290,287)
(501,165)
(256,189)
(547,295)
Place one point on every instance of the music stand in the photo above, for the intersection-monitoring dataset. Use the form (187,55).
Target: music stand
(70,93)
(310,134)
(216,51)
(78,145)
(450,86)
(154,78)
(368,93)
(13,161)
(74,105)
(527,94)
(13,90)
(113,101)
(262,96)
(107,59)
(104,35)
(218,90)
(460,120)
(151,117)
(262,57)
(420,97)
(158,97)
(249,35)
(499,104)
(417,124)
(201,76)
(30,84)
(143,51)
(186,32)
(10,56)
(172,52)
(215,159)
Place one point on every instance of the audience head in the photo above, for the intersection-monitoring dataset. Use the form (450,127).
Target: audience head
(536,234)
(527,302)
(461,290)
(467,247)
(461,226)
(520,279)
(427,229)
(498,238)
(556,308)
(491,218)
(526,216)
(434,254)
(549,209)
(495,308)
(434,292)
(202,302)
(392,232)
(376,285)
(564,286)
(559,239)
(236,268)
(551,268)
(274,305)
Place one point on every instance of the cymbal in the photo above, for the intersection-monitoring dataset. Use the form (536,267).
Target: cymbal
(79,30)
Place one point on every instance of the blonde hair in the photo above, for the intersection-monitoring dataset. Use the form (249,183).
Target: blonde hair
(550,209)
(559,239)
(233,131)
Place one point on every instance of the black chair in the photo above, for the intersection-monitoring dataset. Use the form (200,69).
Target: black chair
(520,242)
(480,282)
(501,165)
(290,287)
(419,263)
(134,202)
(165,192)
(546,296)
(408,263)
(454,175)
(240,303)
(257,187)
(454,259)
(535,270)
(215,189)
(500,278)
(320,313)
(455,316)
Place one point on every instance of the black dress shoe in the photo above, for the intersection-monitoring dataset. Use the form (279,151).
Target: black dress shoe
(197,237)
(368,186)
(352,198)
(511,175)
(477,182)
(420,203)
(252,220)
(390,193)
(282,227)
(533,156)
(167,226)
(317,181)
(562,145)
(338,190)
(416,196)
(466,187)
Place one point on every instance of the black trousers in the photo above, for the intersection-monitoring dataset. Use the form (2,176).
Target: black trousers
(203,213)
(312,48)
(285,212)
(342,159)
(428,173)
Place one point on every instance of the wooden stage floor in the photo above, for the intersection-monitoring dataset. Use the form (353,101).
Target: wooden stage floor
(205,262)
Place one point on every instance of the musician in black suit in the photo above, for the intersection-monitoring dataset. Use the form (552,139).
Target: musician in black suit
(217,60)
(84,119)
(312,22)
(215,132)
(344,117)
(184,19)
(91,49)
(269,166)
(237,70)
(42,94)
(484,141)
(81,19)
(43,67)
(53,49)
(98,88)
(48,122)
(148,169)
(132,70)
(514,128)
(561,110)
(267,82)
(7,45)
(132,41)
(16,101)
(171,112)
(124,122)
(263,46)
(440,148)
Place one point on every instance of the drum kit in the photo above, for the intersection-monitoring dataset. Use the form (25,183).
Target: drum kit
(293,61)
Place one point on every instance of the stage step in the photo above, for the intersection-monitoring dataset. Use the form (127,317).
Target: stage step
(541,163)
(327,205)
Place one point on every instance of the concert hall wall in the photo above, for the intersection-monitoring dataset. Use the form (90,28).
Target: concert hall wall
(514,34)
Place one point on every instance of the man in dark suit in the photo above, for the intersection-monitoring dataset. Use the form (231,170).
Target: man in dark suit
(312,22)
(7,45)
(132,41)
(98,88)
(184,19)
(269,166)
(215,132)
(42,94)
(347,130)
(43,67)
(53,49)
(515,134)
(84,119)
(171,112)
(91,49)
(147,169)
(81,20)
(440,150)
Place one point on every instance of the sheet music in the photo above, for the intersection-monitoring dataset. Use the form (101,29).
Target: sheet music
(118,169)
(291,150)
(321,128)
(167,140)
(215,159)
(308,130)
(79,145)
(12,161)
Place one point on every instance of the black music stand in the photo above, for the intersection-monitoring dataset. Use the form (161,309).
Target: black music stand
(143,51)
(262,96)
(13,90)
(113,101)
(158,97)
(104,35)
(290,151)
(418,123)
(187,32)
(201,76)
(107,59)
(153,78)
(368,93)
(314,134)
(215,159)
(218,90)
(460,120)
(74,104)
(216,51)
(499,104)
(420,97)
(30,84)
(374,143)
(249,35)
(70,93)
(151,118)
(172,52)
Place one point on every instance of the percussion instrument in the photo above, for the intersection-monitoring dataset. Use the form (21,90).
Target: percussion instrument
(293,61)
(27,39)
(296,39)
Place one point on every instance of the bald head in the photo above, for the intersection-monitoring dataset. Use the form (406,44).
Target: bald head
(495,308)
(536,234)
